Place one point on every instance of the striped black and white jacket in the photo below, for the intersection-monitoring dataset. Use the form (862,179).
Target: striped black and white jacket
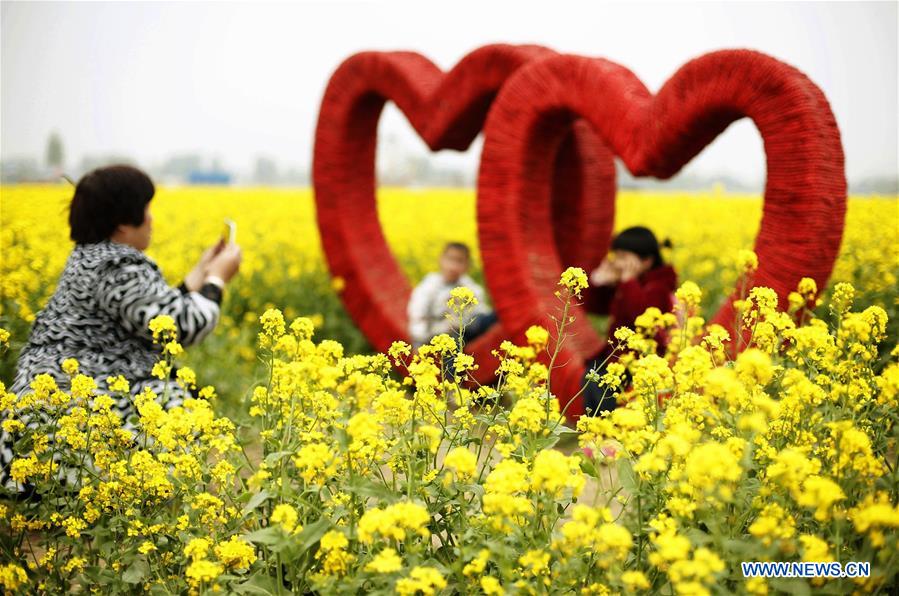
(99,314)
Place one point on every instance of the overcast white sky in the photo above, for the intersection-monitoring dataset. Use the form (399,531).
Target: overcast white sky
(238,80)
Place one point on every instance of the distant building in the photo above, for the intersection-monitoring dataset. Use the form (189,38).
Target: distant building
(217,177)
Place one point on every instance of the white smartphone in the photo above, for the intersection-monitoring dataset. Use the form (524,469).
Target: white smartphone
(229,231)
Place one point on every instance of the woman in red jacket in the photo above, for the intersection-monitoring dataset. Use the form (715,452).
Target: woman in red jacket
(632,278)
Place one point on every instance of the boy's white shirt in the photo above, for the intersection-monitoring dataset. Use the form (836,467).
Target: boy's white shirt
(427,307)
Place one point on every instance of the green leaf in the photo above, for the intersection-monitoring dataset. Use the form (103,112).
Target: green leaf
(698,537)
(255,501)
(366,487)
(743,547)
(476,489)
(268,536)
(626,475)
(272,458)
(564,431)
(834,586)
(587,465)
(314,532)
(794,586)
(102,577)
(549,442)
(136,573)
(258,584)
(159,590)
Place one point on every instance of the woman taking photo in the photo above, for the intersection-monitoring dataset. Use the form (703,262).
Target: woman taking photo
(109,291)
(632,278)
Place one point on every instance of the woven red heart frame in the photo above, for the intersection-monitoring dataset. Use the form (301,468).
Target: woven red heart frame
(654,135)
(448,111)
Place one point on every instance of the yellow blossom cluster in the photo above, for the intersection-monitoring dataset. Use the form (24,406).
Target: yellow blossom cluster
(347,473)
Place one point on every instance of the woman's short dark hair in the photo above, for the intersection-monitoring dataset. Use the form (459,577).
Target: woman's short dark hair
(106,198)
(642,242)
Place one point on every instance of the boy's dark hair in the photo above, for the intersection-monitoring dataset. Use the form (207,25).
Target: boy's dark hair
(106,198)
(642,242)
(460,246)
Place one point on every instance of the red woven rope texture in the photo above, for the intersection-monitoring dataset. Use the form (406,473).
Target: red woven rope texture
(447,111)
(654,135)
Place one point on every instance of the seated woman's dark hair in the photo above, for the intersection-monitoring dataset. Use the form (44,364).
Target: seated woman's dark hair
(642,242)
(106,198)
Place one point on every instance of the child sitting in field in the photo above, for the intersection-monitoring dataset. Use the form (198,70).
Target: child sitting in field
(427,308)
(632,278)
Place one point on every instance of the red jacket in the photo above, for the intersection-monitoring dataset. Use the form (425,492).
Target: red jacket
(628,300)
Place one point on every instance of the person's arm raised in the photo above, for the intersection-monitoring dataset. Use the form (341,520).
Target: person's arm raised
(598,296)
(133,292)
(195,279)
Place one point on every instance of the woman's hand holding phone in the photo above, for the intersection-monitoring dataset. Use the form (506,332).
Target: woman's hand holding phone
(226,263)
(221,260)
(229,232)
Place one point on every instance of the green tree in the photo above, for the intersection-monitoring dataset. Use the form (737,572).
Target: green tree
(55,152)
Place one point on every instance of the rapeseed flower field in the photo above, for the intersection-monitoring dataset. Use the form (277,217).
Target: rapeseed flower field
(312,467)
(284,265)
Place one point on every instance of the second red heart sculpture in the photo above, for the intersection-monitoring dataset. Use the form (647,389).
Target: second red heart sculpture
(654,135)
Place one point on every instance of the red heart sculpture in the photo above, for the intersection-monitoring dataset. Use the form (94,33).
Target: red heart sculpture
(448,111)
(655,135)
